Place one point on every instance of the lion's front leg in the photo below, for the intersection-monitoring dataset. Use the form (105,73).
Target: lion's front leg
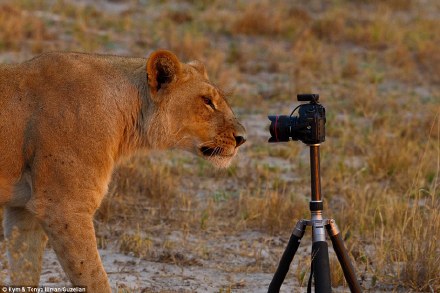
(72,235)
(67,217)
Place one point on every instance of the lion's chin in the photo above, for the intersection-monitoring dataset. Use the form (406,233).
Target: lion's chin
(220,161)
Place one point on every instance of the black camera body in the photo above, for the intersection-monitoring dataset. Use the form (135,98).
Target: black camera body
(308,126)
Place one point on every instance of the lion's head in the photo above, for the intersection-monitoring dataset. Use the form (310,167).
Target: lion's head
(191,111)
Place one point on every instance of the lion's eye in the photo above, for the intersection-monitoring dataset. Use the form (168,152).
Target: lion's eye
(208,101)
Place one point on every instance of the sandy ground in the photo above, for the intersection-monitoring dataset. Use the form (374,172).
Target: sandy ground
(223,271)
(138,275)
(219,273)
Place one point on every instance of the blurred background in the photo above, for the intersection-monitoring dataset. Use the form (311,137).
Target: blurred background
(171,223)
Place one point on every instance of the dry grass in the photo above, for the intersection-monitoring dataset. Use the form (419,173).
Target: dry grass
(269,210)
(20,30)
(148,191)
(376,66)
(258,19)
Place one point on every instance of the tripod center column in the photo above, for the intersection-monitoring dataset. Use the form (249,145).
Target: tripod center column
(315,171)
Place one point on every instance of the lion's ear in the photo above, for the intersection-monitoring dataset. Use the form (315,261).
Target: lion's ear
(200,67)
(162,68)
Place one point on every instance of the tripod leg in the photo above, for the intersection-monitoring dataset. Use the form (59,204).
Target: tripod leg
(320,260)
(286,259)
(344,259)
(321,267)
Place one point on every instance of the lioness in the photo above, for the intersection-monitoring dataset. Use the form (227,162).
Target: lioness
(66,119)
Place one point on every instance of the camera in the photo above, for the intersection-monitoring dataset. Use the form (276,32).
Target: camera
(308,126)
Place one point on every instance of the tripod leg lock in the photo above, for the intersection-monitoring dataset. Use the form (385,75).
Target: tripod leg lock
(300,228)
(332,228)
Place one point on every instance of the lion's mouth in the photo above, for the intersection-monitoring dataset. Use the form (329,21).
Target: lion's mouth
(219,156)
(210,151)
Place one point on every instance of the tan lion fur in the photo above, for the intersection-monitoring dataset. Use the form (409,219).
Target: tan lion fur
(66,119)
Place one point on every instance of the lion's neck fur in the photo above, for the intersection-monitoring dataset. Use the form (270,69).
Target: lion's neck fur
(145,122)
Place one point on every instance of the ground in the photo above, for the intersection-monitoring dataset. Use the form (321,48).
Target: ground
(189,274)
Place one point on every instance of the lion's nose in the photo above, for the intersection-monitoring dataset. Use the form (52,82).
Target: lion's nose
(239,140)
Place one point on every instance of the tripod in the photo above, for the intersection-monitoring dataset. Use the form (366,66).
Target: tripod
(320,260)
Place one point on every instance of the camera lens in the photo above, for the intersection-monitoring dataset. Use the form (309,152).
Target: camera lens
(279,128)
